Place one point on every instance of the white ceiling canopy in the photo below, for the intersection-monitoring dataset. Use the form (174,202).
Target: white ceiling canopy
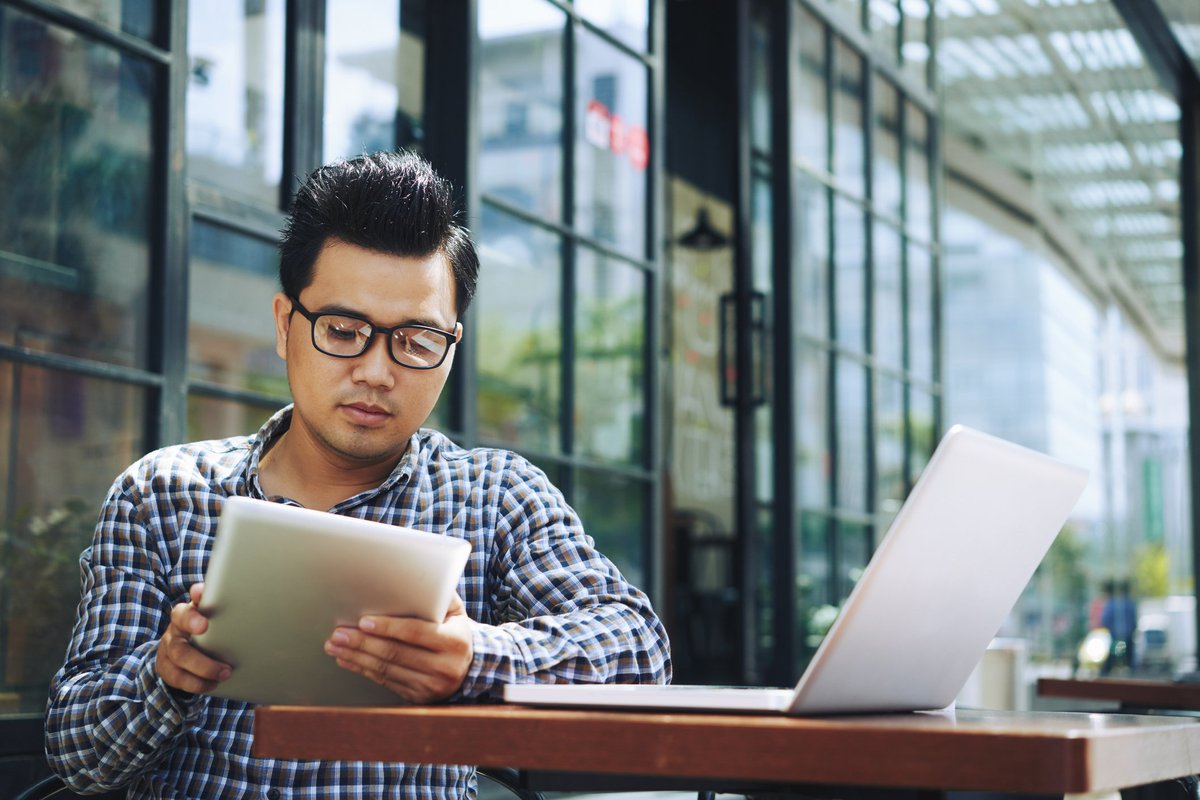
(1059,92)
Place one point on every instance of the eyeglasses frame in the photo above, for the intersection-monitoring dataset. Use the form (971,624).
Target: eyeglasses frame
(376,330)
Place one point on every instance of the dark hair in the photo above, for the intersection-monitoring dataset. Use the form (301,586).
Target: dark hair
(390,203)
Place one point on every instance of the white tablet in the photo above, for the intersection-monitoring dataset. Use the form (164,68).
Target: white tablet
(281,578)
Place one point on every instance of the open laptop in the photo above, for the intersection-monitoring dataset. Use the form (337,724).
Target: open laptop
(951,567)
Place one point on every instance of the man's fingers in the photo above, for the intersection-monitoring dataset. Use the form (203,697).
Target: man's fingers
(178,661)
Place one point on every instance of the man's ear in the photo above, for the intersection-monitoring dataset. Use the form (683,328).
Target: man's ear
(458,332)
(281,307)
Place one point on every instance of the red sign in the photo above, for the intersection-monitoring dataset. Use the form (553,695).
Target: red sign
(607,131)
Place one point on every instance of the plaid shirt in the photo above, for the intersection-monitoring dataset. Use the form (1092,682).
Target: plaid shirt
(553,610)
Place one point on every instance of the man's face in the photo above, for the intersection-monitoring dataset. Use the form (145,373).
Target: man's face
(363,410)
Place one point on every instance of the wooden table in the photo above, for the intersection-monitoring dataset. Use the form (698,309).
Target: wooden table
(1130,694)
(1035,752)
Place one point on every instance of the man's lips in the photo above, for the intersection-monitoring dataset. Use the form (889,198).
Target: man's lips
(366,413)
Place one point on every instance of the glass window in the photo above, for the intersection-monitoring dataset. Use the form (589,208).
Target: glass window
(850,280)
(890,489)
(850,429)
(374,77)
(625,20)
(814,611)
(851,11)
(612,150)
(235,96)
(914,52)
(888,330)
(520,333)
(849,157)
(760,78)
(217,418)
(610,359)
(135,17)
(854,551)
(231,330)
(922,430)
(883,18)
(613,510)
(916,173)
(521,104)
(813,458)
(885,186)
(72,436)
(920,312)
(810,283)
(810,123)
(76,167)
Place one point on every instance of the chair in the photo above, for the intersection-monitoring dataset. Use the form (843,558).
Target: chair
(52,788)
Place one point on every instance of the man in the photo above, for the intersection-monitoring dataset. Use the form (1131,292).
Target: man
(375,278)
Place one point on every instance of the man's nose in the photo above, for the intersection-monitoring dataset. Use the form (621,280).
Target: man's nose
(375,366)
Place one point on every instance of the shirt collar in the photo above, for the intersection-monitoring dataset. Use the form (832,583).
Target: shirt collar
(279,422)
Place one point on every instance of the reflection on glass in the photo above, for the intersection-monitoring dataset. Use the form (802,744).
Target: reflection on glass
(920,312)
(374,76)
(888,330)
(886,163)
(520,331)
(610,359)
(521,104)
(890,488)
(850,279)
(851,10)
(613,510)
(73,436)
(924,436)
(217,418)
(810,282)
(883,19)
(625,20)
(850,433)
(231,332)
(914,52)
(75,166)
(916,173)
(810,121)
(849,157)
(815,609)
(235,97)
(813,458)
(854,551)
(135,17)
(760,78)
(612,147)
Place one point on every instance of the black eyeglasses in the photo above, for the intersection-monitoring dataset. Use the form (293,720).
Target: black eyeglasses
(348,336)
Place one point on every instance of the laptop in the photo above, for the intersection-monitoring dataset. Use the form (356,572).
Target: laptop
(939,586)
(281,578)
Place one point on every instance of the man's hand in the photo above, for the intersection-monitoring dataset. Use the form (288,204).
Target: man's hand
(181,665)
(421,661)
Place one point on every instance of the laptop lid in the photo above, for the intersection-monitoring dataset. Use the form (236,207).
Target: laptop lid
(939,586)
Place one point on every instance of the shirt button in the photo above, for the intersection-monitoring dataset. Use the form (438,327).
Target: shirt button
(273,794)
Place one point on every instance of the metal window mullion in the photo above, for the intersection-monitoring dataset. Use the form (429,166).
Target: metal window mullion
(1189,183)
(568,253)
(868,127)
(169,283)
(784,69)
(831,382)
(303,94)
(654,456)
(83,26)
